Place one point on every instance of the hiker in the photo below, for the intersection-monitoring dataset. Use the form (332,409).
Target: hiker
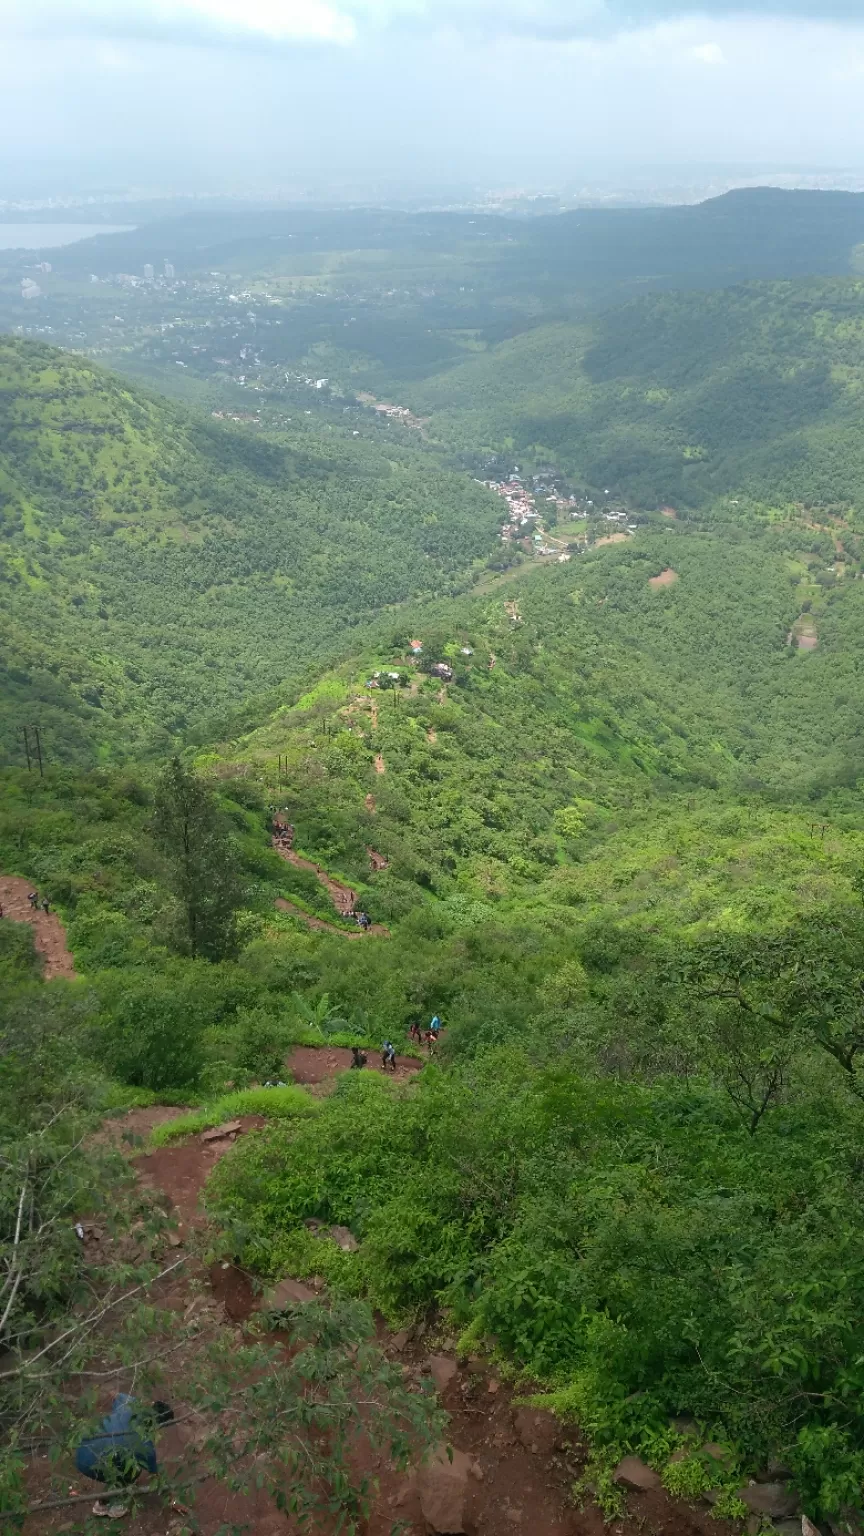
(416,1032)
(435,1026)
(358,1057)
(119,1452)
(33,899)
(388,1056)
(46,905)
(431,1041)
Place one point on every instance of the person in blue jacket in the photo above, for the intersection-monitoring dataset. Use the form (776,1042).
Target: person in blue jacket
(121,1449)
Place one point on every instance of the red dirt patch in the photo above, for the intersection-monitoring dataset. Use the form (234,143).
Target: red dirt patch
(668,512)
(49,935)
(432,735)
(380,766)
(611,538)
(377,860)
(182,1168)
(369,802)
(803,634)
(666,578)
(312,1064)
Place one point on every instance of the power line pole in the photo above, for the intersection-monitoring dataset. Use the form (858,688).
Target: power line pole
(38,750)
(26,746)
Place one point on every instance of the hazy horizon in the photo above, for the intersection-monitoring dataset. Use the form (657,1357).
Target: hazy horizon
(216,95)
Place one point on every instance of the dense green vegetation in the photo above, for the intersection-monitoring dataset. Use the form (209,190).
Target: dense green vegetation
(159,570)
(621,851)
(678,399)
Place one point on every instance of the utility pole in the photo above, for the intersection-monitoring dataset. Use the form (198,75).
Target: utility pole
(26,746)
(38,750)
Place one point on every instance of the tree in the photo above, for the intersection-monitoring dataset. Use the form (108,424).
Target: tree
(188,828)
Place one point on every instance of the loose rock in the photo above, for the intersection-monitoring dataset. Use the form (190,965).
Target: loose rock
(443,1488)
(538,1430)
(288,1293)
(633,1473)
(344,1238)
(230,1128)
(771,1499)
(442,1370)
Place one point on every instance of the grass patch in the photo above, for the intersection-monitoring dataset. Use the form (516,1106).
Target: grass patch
(346,1038)
(285,1103)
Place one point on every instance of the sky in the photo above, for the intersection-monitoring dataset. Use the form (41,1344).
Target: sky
(225,94)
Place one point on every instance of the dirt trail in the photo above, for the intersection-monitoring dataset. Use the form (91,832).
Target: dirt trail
(313,1065)
(380,766)
(522,1462)
(377,860)
(342,896)
(320,925)
(432,735)
(49,935)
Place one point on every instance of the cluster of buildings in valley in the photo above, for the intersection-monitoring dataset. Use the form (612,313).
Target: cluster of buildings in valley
(400,413)
(524,523)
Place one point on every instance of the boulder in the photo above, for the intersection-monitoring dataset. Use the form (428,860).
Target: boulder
(344,1238)
(443,1488)
(538,1430)
(787,1527)
(442,1370)
(633,1473)
(401,1340)
(288,1293)
(808,1528)
(771,1499)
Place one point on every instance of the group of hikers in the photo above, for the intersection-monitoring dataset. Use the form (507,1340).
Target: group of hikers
(362,919)
(36,904)
(359,1058)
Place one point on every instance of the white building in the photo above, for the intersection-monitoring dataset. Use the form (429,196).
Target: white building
(148,272)
(169,271)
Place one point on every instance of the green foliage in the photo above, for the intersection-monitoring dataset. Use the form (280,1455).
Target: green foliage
(188,829)
(686,1478)
(152,1037)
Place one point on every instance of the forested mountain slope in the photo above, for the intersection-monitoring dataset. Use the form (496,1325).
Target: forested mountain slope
(611,701)
(159,568)
(679,398)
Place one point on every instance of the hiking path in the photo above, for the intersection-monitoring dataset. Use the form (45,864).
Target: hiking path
(49,935)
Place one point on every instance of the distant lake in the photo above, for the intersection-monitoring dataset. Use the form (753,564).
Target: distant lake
(38,237)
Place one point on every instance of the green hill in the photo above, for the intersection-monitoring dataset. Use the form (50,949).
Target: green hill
(608,823)
(679,398)
(159,569)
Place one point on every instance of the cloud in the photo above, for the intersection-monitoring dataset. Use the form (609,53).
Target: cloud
(708,53)
(217,22)
(269,23)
